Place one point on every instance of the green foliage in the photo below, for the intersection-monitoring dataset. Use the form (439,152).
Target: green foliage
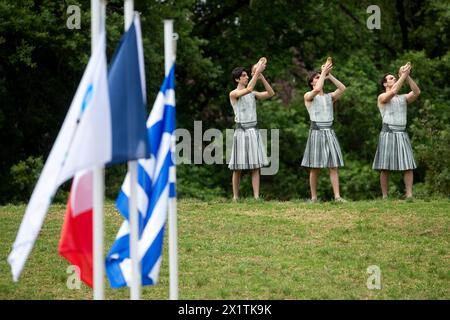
(25,175)
(41,62)
(359,180)
(432,147)
(195,181)
(114,177)
(430,125)
(293,129)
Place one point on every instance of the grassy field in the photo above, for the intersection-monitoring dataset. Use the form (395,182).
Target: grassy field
(267,250)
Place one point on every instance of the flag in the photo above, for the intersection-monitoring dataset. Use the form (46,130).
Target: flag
(76,234)
(126,80)
(87,138)
(156,184)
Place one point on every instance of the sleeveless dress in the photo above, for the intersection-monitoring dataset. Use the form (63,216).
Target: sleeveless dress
(248,151)
(394,151)
(322,148)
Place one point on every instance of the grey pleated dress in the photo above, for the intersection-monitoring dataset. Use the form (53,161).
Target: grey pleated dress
(248,151)
(394,151)
(322,148)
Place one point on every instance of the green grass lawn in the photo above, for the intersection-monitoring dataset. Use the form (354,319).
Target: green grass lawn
(266,250)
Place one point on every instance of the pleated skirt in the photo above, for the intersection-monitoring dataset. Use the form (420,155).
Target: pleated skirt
(248,151)
(394,152)
(322,150)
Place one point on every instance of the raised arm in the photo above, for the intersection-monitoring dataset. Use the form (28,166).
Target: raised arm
(237,93)
(387,96)
(309,96)
(269,93)
(414,94)
(339,85)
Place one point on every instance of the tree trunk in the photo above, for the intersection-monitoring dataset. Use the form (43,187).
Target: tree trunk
(402,21)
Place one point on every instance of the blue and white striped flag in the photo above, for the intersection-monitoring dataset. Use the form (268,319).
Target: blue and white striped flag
(156,184)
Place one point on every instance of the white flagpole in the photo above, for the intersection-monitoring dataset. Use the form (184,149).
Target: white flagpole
(97,20)
(169,58)
(135,285)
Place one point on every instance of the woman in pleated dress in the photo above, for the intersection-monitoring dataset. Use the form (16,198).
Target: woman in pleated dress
(394,151)
(322,148)
(248,151)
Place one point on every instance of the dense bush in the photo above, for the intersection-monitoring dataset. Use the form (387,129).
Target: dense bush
(24,175)
(197,181)
(41,62)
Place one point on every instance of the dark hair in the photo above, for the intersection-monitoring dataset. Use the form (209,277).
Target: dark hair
(383,81)
(237,72)
(311,76)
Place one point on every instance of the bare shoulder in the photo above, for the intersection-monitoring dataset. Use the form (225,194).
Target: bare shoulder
(233,97)
(380,104)
(307,96)
(307,99)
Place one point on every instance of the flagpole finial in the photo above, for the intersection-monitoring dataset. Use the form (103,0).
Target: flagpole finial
(169,44)
(128,13)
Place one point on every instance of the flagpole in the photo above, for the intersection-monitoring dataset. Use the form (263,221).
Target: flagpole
(135,285)
(98,173)
(169,59)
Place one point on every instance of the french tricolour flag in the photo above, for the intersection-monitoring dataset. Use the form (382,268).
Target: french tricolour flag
(95,132)
(156,184)
(126,80)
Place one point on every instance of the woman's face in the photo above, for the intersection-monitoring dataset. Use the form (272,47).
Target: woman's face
(315,79)
(243,79)
(390,80)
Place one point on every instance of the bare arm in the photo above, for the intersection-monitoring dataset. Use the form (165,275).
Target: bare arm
(339,85)
(237,93)
(387,96)
(309,96)
(269,93)
(414,94)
